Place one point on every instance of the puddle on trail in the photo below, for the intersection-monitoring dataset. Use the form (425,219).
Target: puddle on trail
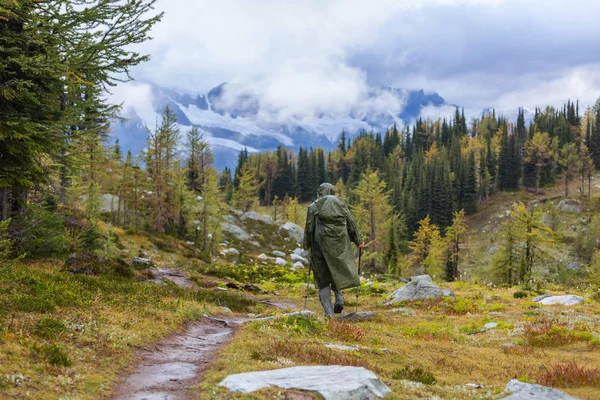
(172,366)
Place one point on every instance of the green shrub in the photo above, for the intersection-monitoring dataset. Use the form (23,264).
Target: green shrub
(91,237)
(519,294)
(415,374)
(38,233)
(55,355)
(49,328)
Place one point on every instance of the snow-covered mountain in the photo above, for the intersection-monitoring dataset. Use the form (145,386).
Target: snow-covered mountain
(233,117)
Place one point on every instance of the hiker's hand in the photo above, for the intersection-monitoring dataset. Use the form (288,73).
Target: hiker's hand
(360,246)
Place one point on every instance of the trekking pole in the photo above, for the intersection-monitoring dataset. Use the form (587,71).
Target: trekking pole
(358,287)
(307,283)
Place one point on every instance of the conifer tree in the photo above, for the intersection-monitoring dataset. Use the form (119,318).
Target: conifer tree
(455,237)
(428,249)
(245,195)
(570,161)
(373,212)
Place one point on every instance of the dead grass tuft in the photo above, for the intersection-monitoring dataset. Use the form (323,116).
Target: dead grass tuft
(346,331)
(570,375)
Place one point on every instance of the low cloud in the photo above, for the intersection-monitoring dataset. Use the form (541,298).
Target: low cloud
(302,60)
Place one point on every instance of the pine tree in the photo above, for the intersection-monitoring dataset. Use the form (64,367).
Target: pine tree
(199,158)
(469,189)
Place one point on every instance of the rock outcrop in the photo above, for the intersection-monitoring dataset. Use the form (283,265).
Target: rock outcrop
(529,391)
(566,300)
(330,382)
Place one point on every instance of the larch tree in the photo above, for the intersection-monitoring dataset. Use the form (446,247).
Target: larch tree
(455,237)
(539,151)
(428,248)
(373,213)
(245,195)
(161,159)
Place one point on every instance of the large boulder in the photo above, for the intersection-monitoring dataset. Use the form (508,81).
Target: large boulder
(267,219)
(570,205)
(420,287)
(291,230)
(330,382)
(301,252)
(530,391)
(566,300)
(278,253)
(235,230)
(297,258)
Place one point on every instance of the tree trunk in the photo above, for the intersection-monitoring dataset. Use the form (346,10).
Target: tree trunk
(4,211)
(566,184)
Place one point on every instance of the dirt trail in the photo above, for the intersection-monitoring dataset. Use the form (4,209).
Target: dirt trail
(171,367)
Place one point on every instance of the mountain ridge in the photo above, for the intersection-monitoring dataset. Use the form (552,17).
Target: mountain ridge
(232,117)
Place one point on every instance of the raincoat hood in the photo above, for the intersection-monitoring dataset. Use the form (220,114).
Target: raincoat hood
(326,189)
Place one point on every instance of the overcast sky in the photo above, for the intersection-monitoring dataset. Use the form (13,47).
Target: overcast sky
(327,54)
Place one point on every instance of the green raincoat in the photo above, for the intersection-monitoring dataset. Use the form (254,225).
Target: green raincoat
(329,230)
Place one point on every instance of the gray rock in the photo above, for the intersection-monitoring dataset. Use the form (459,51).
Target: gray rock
(419,288)
(267,219)
(232,252)
(330,382)
(341,347)
(531,391)
(490,325)
(262,257)
(231,219)
(109,203)
(239,213)
(357,316)
(143,261)
(226,309)
(297,265)
(278,253)
(566,300)
(291,230)
(448,293)
(570,205)
(574,265)
(280,261)
(301,252)
(235,230)
(544,296)
(297,258)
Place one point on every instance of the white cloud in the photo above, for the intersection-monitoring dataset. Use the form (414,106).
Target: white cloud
(307,58)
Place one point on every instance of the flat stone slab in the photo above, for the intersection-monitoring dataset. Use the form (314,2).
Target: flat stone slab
(530,391)
(333,382)
(566,300)
(357,316)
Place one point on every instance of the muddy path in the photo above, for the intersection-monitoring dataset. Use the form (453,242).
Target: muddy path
(168,369)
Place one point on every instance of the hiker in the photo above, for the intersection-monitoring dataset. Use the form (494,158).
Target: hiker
(329,230)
